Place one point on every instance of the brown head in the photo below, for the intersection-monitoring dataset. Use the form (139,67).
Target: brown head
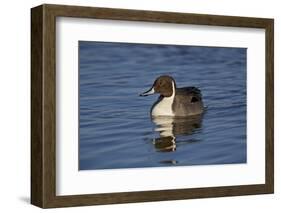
(164,85)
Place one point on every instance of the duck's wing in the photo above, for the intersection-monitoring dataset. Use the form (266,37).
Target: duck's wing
(190,94)
(188,101)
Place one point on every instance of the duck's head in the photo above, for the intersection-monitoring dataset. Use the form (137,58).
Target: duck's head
(164,85)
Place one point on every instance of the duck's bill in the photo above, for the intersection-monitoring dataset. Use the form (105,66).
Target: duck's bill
(149,92)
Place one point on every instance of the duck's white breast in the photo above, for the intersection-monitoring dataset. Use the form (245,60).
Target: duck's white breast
(163,107)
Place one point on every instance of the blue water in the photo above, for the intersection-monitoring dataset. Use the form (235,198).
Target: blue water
(116,130)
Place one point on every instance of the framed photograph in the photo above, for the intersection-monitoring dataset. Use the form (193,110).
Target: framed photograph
(136,106)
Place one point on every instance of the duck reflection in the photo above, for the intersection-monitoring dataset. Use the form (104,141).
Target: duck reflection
(171,127)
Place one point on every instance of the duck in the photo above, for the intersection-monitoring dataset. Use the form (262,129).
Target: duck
(173,101)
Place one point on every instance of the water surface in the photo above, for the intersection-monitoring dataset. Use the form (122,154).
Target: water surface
(115,126)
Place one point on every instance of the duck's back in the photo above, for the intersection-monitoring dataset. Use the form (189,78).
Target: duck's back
(187,101)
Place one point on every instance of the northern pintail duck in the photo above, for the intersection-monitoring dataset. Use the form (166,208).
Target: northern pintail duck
(173,101)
